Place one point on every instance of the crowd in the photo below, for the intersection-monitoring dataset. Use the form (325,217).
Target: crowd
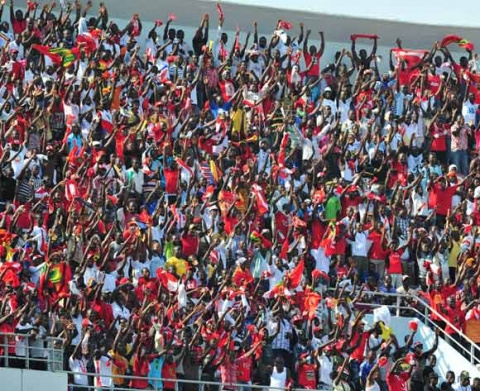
(218,210)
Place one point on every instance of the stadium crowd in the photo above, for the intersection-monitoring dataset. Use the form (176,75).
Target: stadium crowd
(207,208)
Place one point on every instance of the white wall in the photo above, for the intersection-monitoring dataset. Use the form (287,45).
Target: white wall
(30,380)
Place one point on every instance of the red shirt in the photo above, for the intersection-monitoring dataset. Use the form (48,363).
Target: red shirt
(442,198)
(169,371)
(19,26)
(171,181)
(281,224)
(140,368)
(244,368)
(395,262)
(456,317)
(376,251)
(315,70)
(358,353)
(398,382)
(306,376)
(189,245)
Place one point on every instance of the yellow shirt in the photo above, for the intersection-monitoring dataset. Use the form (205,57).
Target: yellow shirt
(454,252)
(119,367)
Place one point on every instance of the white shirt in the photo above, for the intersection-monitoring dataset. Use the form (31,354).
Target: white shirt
(103,366)
(21,340)
(360,245)
(326,368)
(79,367)
(469,111)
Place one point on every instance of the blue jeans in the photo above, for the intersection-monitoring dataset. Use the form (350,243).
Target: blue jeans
(460,159)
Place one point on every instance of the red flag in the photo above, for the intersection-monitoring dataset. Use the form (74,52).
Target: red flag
(311,302)
(410,56)
(262,204)
(475,77)
(298,222)
(463,43)
(220,11)
(284,251)
(168,280)
(172,16)
(284,25)
(45,50)
(295,276)
(353,37)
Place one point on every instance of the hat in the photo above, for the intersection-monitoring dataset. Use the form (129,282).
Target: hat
(464,375)
(327,89)
(452,167)
(418,344)
(476,193)
(405,277)
(241,261)
(96,143)
(124,280)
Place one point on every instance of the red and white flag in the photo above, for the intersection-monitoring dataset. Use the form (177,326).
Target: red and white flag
(168,280)
(262,204)
(410,56)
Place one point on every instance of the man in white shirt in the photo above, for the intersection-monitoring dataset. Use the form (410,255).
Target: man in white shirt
(360,246)
(469,110)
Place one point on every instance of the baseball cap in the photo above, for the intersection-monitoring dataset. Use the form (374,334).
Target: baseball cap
(464,375)
(328,89)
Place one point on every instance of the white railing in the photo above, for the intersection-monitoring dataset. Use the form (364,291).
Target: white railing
(54,355)
(469,349)
(154,382)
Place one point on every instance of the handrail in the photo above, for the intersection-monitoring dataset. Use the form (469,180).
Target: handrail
(155,380)
(50,360)
(474,359)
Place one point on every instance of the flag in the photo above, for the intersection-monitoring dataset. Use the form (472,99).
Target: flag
(262,204)
(257,237)
(284,250)
(317,274)
(58,277)
(10,272)
(214,256)
(220,11)
(206,171)
(311,302)
(353,37)
(216,173)
(295,276)
(168,280)
(298,222)
(276,291)
(463,43)
(87,42)
(284,25)
(410,56)
(68,55)
(45,50)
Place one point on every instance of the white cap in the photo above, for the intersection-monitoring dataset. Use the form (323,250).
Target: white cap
(327,89)
(476,193)
(452,167)
(241,261)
